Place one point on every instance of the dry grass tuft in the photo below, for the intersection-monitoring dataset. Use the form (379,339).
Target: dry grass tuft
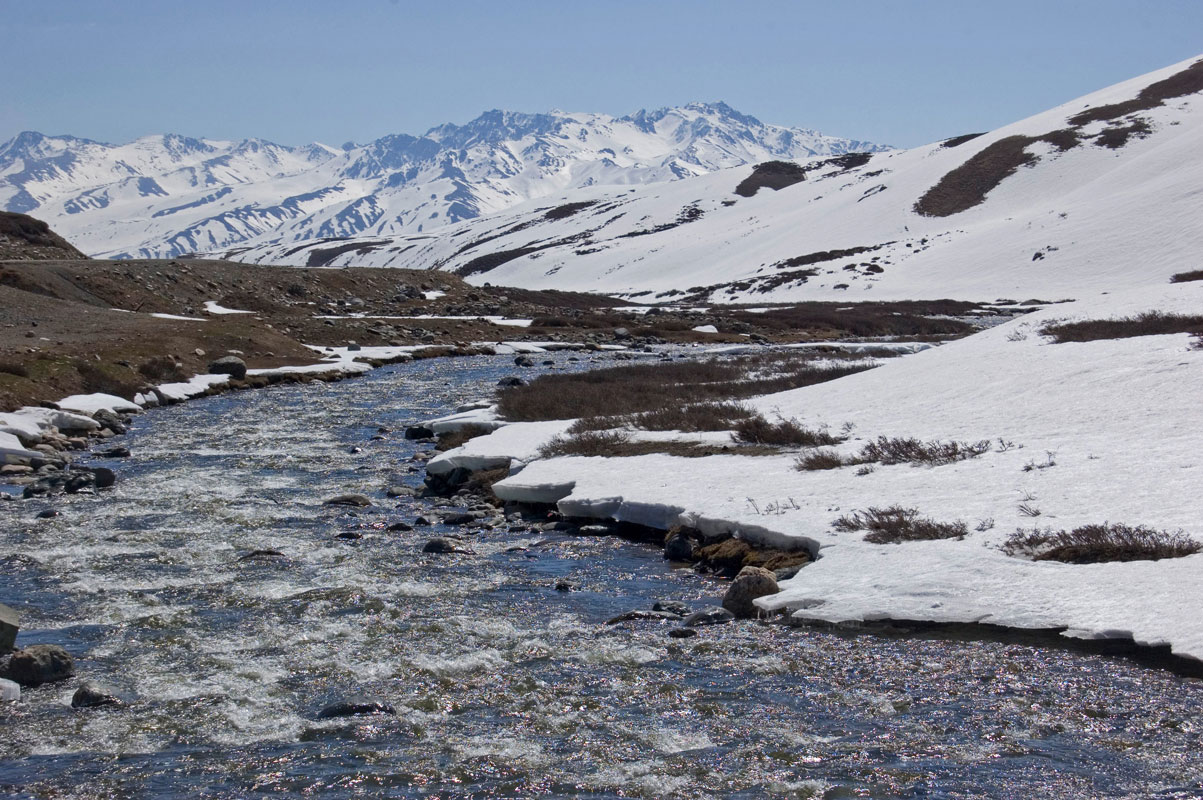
(453,439)
(1096,544)
(819,460)
(897,524)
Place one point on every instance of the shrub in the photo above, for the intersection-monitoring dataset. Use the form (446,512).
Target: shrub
(453,439)
(1095,544)
(886,450)
(897,524)
(1186,277)
(586,443)
(1150,323)
(162,368)
(783,432)
(821,459)
(14,368)
(106,379)
(644,388)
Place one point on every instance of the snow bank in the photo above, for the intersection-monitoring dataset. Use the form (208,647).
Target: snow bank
(1082,432)
(91,403)
(212,307)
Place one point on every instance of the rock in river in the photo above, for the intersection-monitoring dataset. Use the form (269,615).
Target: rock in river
(89,696)
(38,664)
(440,544)
(750,583)
(711,615)
(354,709)
(349,500)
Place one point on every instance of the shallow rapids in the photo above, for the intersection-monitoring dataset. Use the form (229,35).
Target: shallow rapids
(503,685)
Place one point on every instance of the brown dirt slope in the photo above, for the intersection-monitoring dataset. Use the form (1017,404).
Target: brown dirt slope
(25,238)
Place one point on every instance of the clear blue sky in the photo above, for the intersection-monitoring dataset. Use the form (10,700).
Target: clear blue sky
(295,71)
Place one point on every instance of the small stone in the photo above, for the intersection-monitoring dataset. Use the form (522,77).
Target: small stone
(114,452)
(400,526)
(750,583)
(421,521)
(401,491)
(524,361)
(89,696)
(510,382)
(38,664)
(682,633)
(349,500)
(350,535)
(49,513)
(418,432)
(353,347)
(565,586)
(711,615)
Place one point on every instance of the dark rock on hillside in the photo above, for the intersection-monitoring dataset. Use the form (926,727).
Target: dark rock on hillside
(233,366)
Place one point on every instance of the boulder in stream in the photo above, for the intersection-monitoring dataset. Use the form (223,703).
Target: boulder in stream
(38,664)
(750,583)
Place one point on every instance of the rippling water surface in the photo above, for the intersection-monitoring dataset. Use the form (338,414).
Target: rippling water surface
(503,686)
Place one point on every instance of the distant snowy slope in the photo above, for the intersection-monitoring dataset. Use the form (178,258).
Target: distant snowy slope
(1102,192)
(162,196)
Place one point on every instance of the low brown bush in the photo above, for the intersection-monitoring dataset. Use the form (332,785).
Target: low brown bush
(14,368)
(783,432)
(642,388)
(1150,323)
(1186,277)
(108,379)
(897,524)
(162,368)
(819,460)
(1094,544)
(908,450)
(453,439)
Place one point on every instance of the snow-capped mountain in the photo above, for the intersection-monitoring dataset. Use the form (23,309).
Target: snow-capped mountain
(162,196)
(1098,194)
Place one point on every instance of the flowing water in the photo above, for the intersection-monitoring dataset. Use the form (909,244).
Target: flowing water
(503,686)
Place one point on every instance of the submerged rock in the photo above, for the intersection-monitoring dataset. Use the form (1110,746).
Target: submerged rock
(90,696)
(349,500)
(336,710)
(711,615)
(682,633)
(641,614)
(678,547)
(38,664)
(750,583)
(672,606)
(259,555)
(442,544)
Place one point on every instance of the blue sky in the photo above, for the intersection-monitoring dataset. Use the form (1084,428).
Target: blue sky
(295,71)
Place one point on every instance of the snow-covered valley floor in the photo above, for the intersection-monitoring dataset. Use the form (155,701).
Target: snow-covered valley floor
(1082,433)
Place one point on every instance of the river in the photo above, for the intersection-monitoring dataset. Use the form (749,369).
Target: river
(503,685)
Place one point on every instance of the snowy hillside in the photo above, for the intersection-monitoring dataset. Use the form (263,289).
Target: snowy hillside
(1102,192)
(1078,434)
(162,196)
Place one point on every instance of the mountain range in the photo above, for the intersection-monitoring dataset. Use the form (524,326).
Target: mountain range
(1098,194)
(167,195)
